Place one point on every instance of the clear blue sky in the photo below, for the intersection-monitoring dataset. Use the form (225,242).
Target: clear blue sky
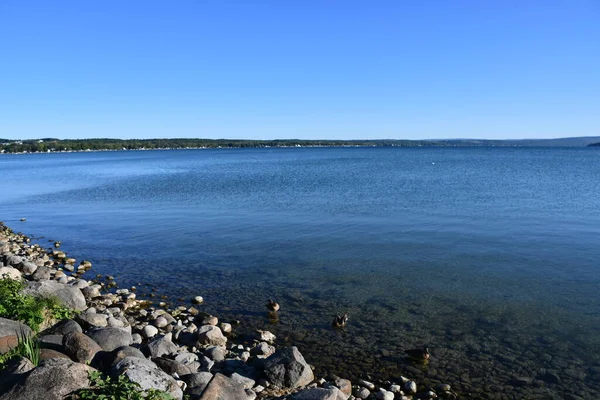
(300,69)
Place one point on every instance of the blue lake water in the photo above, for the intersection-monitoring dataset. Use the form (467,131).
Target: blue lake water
(479,252)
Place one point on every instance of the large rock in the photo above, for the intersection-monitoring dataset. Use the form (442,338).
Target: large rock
(223,388)
(10,272)
(263,349)
(161,347)
(209,334)
(53,379)
(15,366)
(69,296)
(287,369)
(46,354)
(110,338)
(216,353)
(27,267)
(63,327)
(54,342)
(247,383)
(147,375)
(13,260)
(197,381)
(90,319)
(344,385)
(10,333)
(172,366)
(80,347)
(331,393)
(42,273)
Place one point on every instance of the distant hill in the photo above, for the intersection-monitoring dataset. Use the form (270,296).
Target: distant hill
(594,144)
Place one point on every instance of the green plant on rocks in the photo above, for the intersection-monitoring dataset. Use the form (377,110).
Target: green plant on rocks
(28,347)
(28,309)
(105,388)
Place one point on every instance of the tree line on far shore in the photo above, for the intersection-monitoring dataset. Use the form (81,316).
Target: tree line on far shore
(53,145)
(56,145)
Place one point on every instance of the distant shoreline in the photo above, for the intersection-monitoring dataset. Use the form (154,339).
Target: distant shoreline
(52,145)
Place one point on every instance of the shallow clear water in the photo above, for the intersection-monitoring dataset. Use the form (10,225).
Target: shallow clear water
(466,249)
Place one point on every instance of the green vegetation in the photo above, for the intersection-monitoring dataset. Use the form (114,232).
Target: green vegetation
(28,347)
(105,388)
(28,309)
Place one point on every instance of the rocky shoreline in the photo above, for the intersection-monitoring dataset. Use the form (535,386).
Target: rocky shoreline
(178,350)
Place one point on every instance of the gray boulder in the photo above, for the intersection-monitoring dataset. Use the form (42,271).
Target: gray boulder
(68,295)
(287,369)
(122,352)
(91,292)
(222,387)
(27,267)
(262,349)
(173,367)
(46,354)
(16,366)
(344,385)
(216,353)
(206,363)
(209,334)
(90,319)
(53,342)
(110,338)
(186,358)
(247,383)
(10,332)
(331,393)
(198,380)
(41,382)
(147,375)
(161,347)
(63,327)
(42,273)
(80,347)
(13,260)
(10,272)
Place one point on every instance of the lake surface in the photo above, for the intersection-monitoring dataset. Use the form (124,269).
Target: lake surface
(491,256)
